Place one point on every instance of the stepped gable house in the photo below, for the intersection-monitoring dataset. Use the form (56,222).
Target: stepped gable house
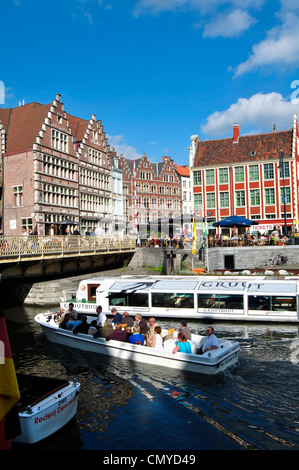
(55,166)
(158,189)
(242,176)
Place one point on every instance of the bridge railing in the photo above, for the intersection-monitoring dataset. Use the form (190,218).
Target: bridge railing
(40,246)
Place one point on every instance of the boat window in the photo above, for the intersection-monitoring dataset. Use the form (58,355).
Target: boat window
(220,301)
(272,302)
(133,299)
(172,300)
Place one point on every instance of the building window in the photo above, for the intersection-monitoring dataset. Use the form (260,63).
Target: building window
(253,172)
(223,175)
(239,174)
(210,177)
(95,156)
(255,197)
(198,201)
(287,195)
(285,172)
(268,171)
(269,196)
(18,195)
(240,198)
(224,199)
(27,224)
(211,200)
(197,178)
(59,141)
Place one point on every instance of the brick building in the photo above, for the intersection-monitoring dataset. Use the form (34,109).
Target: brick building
(55,167)
(158,190)
(243,176)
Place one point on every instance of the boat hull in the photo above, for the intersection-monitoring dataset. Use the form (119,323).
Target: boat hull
(49,415)
(210,363)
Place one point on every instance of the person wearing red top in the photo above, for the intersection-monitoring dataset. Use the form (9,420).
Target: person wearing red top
(118,334)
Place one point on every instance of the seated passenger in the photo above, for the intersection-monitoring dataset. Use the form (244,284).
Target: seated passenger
(82,327)
(71,325)
(142,324)
(126,320)
(210,343)
(156,341)
(185,330)
(103,332)
(183,345)
(136,337)
(152,326)
(118,334)
(92,328)
(64,320)
(101,320)
(73,313)
(117,318)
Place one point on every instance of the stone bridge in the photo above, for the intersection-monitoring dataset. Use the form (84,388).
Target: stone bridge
(43,256)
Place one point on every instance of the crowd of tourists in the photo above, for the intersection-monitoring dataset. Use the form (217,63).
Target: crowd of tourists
(138,331)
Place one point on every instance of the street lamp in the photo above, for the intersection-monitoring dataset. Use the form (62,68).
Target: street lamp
(281,167)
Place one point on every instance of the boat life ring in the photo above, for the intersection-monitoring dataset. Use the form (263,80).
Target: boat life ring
(83,287)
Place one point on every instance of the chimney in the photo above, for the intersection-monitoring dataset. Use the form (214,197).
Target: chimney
(236,133)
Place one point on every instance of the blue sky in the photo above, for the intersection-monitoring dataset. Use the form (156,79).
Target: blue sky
(156,71)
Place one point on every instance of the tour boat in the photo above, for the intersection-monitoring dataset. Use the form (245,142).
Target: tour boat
(210,363)
(45,406)
(231,297)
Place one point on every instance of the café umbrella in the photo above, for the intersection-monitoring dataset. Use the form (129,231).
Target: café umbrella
(235,221)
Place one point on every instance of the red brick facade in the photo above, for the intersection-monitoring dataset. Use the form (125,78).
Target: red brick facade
(241,176)
(158,189)
(55,165)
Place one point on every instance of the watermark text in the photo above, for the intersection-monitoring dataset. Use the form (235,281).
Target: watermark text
(2,93)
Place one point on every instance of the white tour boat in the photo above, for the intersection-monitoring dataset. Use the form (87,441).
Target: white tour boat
(211,362)
(46,405)
(233,297)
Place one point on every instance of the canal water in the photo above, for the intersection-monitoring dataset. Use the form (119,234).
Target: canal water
(129,406)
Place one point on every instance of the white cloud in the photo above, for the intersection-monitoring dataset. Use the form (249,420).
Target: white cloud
(226,24)
(229,25)
(121,145)
(203,6)
(279,48)
(256,114)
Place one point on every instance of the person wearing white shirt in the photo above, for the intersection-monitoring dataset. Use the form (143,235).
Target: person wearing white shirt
(210,343)
(156,341)
(101,317)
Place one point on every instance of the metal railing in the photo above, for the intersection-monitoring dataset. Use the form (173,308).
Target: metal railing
(14,248)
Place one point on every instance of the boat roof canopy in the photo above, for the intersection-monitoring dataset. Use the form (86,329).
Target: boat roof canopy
(175,285)
(130,285)
(205,286)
